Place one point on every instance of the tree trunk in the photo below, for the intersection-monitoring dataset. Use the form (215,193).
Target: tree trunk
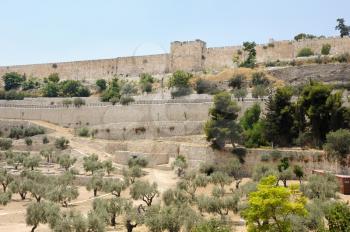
(95,192)
(129,226)
(34,227)
(113,221)
(4,186)
(23,195)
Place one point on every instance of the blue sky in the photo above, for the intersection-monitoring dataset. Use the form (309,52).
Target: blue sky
(38,31)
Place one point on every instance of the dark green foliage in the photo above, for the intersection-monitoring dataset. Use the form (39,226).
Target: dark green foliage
(112,92)
(145,82)
(203,86)
(250,117)
(305,52)
(84,132)
(101,84)
(279,121)
(298,172)
(237,81)
(45,140)
(322,187)
(51,89)
(222,125)
(30,84)
(12,80)
(304,36)
(326,48)
(28,141)
(342,28)
(13,95)
(137,161)
(73,88)
(250,62)
(343,58)
(92,164)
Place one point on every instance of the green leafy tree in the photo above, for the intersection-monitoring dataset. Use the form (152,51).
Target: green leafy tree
(96,223)
(298,172)
(39,184)
(111,208)
(5,144)
(5,179)
(259,91)
(70,221)
(132,173)
(338,145)
(302,36)
(259,79)
(326,48)
(95,183)
(222,125)
(237,81)
(41,212)
(137,161)
(240,93)
(73,88)
(143,190)
(92,163)
(28,141)
(15,159)
(305,52)
(112,93)
(63,190)
(12,80)
(5,198)
(191,182)
(108,166)
(270,206)
(279,120)
(21,186)
(31,161)
(133,217)
(114,186)
(221,179)
(250,61)
(342,28)
(51,89)
(180,165)
(322,187)
(250,117)
(66,161)
(263,170)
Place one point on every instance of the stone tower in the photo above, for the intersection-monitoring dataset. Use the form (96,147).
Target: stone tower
(187,56)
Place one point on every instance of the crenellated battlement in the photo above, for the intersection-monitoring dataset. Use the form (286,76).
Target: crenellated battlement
(184,55)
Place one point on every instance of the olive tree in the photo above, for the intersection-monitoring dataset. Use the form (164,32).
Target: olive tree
(114,186)
(21,186)
(92,163)
(31,161)
(63,190)
(41,212)
(66,161)
(191,182)
(180,165)
(95,183)
(5,179)
(70,221)
(143,190)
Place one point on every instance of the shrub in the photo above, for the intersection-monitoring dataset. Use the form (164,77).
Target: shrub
(83,132)
(259,78)
(16,132)
(259,91)
(5,144)
(101,84)
(128,88)
(54,77)
(126,100)
(304,36)
(14,95)
(180,79)
(250,62)
(237,81)
(50,89)
(240,93)
(112,93)
(145,82)
(204,86)
(28,141)
(73,88)
(61,143)
(326,48)
(265,157)
(33,130)
(180,91)
(338,144)
(305,52)
(343,58)
(12,80)
(78,102)
(45,140)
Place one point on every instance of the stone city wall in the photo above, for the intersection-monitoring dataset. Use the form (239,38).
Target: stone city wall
(188,56)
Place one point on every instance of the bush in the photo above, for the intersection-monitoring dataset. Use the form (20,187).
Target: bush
(128,88)
(265,157)
(145,82)
(326,48)
(180,91)
(50,89)
(305,52)
(12,80)
(14,95)
(16,133)
(78,102)
(5,144)
(259,78)
(61,143)
(180,79)
(338,144)
(28,141)
(33,130)
(73,88)
(45,140)
(304,36)
(259,91)
(343,58)
(204,86)
(126,100)
(54,77)
(83,132)
(112,93)
(237,81)
(101,84)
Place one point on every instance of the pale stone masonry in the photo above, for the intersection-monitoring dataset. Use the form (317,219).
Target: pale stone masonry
(188,56)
